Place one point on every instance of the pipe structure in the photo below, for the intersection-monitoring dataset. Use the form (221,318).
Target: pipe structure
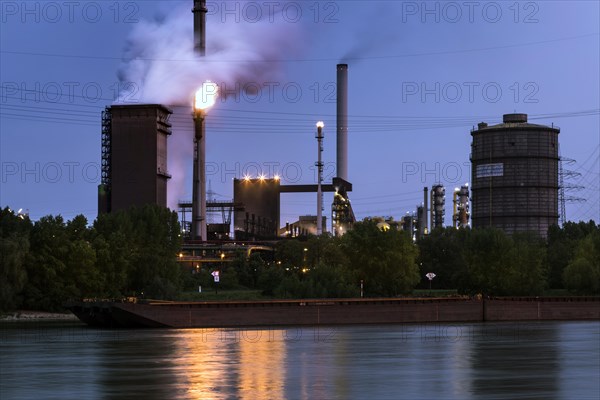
(463,206)
(425,212)
(455,208)
(199,179)
(438,206)
(319,165)
(199,230)
(342,121)
(431,208)
(200,11)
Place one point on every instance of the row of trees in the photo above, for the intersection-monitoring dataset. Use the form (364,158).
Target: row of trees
(46,263)
(486,261)
(490,261)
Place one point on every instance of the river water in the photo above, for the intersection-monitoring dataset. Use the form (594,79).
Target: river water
(548,360)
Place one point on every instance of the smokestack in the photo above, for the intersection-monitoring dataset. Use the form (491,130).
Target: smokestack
(200,11)
(319,165)
(199,185)
(425,212)
(199,180)
(342,121)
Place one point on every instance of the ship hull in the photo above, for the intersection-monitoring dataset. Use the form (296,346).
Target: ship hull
(150,314)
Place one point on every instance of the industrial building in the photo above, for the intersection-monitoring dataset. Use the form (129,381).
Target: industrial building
(460,213)
(257,201)
(438,206)
(258,214)
(134,156)
(515,175)
(514,182)
(342,215)
(306,225)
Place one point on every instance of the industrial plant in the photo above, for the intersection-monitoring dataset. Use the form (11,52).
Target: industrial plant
(134,156)
(514,184)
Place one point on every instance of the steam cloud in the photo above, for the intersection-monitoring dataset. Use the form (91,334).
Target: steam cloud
(161,63)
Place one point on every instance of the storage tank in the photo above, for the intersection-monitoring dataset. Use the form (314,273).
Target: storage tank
(514,168)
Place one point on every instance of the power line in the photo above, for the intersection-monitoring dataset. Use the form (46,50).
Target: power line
(266,125)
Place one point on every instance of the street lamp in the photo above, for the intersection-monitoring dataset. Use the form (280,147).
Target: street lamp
(304,258)
(206,97)
(222,258)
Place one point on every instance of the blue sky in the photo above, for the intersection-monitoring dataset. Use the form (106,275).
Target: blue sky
(421,75)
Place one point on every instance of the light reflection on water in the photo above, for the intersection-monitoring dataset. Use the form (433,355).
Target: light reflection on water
(551,360)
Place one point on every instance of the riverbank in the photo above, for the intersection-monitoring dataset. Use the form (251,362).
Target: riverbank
(26,315)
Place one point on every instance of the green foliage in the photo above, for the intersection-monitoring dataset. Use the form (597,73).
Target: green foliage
(134,252)
(52,261)
(269,279)
(527,267)
(14,250)
(247,270)
(290,253)
(384,260)
(562,243)
(139,248)
(485,261)
(582,275)
(441,252)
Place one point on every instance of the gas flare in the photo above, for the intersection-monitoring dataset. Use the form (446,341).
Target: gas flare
(206,96)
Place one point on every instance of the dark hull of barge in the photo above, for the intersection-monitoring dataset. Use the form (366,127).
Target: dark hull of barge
(232,314)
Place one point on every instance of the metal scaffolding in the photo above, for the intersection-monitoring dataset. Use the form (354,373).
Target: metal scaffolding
(106,139)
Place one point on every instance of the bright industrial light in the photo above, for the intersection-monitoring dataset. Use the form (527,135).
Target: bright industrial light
(247,178)
(320,124)
(206,96)
(277,177)
(262,177)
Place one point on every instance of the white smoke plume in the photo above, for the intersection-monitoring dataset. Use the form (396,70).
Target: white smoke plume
(161,64)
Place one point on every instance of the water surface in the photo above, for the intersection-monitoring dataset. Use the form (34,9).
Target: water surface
(546,360)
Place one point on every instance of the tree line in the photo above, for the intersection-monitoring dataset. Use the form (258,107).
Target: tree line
(134,253)
(49,262)
(388,263)
(523,264)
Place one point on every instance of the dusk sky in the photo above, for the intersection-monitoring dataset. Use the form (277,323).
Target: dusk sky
(421,76)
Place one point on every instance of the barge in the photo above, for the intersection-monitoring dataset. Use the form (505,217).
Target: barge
(135,313)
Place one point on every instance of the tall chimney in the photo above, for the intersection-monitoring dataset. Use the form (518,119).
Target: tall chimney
(199,179)
(425,211)
(200,11)
(342,121)
(319,165)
